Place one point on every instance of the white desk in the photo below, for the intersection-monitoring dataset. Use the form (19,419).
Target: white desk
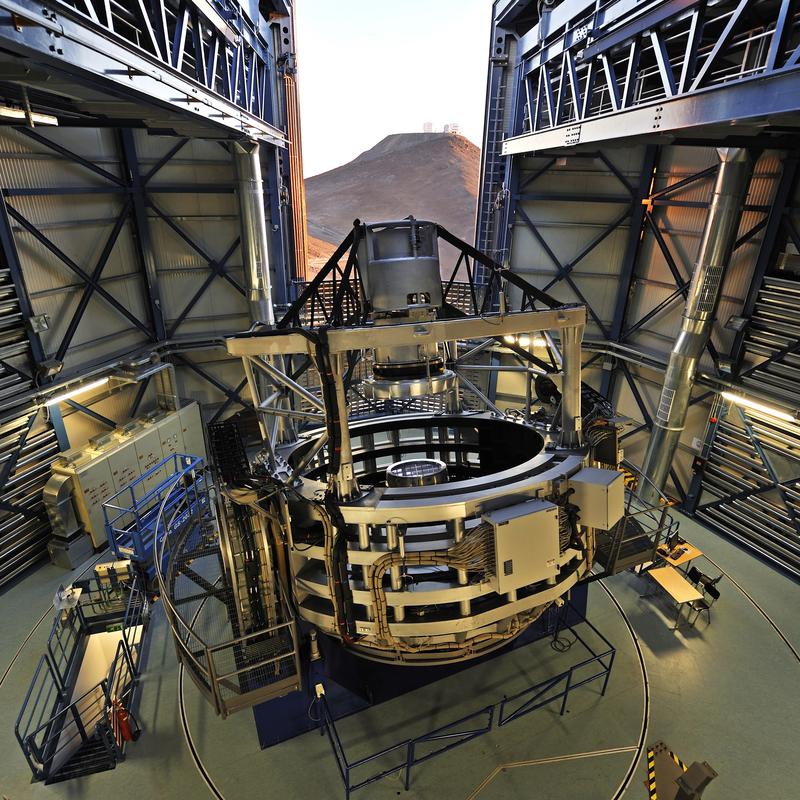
(676,586)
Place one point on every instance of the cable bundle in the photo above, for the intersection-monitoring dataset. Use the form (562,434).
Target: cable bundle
(475,551)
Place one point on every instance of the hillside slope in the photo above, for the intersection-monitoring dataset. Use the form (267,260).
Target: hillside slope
(430,175)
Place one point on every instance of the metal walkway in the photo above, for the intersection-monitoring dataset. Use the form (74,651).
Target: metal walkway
(191,66)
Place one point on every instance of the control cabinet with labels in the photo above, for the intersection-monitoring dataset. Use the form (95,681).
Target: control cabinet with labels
(110,463)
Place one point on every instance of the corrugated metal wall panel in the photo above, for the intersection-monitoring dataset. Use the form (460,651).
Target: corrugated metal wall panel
(567,227)
(78,222)
(79,225)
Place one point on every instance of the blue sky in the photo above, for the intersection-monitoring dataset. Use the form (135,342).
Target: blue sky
(368,68)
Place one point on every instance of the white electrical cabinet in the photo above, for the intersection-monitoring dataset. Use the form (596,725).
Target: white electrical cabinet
(600,495)
(525,543)
(83,479)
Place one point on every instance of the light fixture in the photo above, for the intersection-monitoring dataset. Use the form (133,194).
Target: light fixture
(738,400)
(85,387)
(35,117)
(525,341)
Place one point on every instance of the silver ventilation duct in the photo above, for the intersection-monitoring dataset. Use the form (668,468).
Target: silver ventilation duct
(716,248)
(255,251)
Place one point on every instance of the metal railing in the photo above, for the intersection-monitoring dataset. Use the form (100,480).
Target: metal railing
(636,537)
(232,670)
(463,295)
(51,727)
(131,515)
(410,752)
(663,57)
(212,44)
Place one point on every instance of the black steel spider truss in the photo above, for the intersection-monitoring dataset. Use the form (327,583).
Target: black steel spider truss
(335,297)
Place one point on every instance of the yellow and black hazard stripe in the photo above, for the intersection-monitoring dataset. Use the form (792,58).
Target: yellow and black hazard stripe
(651,775)
(677,760)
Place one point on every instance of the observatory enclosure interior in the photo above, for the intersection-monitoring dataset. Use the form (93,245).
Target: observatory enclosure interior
(600,160)
(411,499)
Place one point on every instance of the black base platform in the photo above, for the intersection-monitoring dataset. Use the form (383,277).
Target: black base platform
(353,684)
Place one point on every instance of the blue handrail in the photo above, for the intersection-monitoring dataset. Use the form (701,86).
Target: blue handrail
(131,515)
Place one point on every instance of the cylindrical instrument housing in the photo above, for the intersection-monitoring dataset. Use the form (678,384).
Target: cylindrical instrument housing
(400,265)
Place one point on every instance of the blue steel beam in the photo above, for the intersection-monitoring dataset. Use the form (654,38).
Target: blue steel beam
(93,283)
(70,155)
(164,160)
(162,188)
(192,242)
(137,400)
(228,402)
(682,289)
(756,101)
(217,269)
(232,394)
(602,236)
(560,269)
(141,226)
(10,464)
(89,412)
(79,271)
(8,247)
(628,265)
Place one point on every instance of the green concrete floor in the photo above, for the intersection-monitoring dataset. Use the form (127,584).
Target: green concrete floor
(723,693)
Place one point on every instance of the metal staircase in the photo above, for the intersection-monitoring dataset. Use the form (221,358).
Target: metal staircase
(246,551)
(233,628)
(774,334)
(63,731)
(95,755)
(747,484)
(750,485)
(634,539)
(28,442)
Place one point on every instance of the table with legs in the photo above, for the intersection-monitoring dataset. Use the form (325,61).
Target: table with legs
(676,586)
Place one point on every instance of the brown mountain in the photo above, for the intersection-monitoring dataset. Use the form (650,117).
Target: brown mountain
(430,175)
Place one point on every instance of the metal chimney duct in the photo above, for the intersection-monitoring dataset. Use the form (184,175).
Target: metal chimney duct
(255,251)
(716,247)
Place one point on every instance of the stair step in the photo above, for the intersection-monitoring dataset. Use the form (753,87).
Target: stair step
(92,757)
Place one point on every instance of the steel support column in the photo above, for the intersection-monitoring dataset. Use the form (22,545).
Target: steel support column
(285,276)
(716,247)
(571,339)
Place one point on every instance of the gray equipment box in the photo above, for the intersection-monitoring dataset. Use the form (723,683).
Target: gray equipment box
(600,495)
(69,554)
(525,544)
